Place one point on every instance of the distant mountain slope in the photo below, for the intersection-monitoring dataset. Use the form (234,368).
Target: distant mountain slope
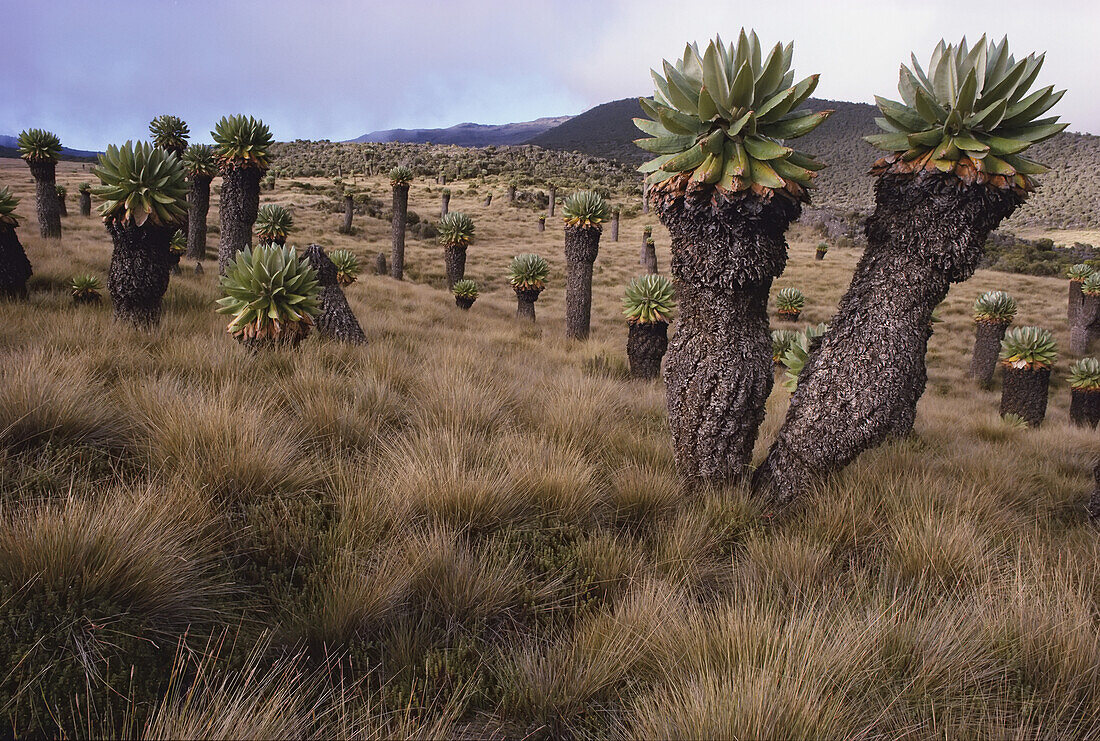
(467,134)
(1068,196)
(9,147)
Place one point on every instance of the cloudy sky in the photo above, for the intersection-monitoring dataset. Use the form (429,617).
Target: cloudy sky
(96,71)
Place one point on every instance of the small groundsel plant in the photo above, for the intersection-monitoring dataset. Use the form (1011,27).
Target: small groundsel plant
(62,191)
(781,342)
(456,229)
(1091,284)
(242,141)
(586,209)
(270,295)
(798,352)
(347,266)
(85,288)
(169,132)
(142,183)
(465,289)
(84,187)
(528,272)
(1084,375)
(649,300)
(822,247)
(39,145)
(8,204)
(1028,348)
(1077,273)
(994,307)
(200,160)
(789,302)
(273,224)
(401,175)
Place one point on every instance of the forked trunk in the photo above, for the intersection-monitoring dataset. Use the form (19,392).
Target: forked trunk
(1024,393)
(455,258)
(1084,407)
(46,203)
(349,211)
(85,203)
(15,268)
(445,205)
(1086,324)
(139,272)
(582,244)
(987,347)
(240,201)
(198,206)
(1075,299)
(718,371)
(400,214)
(864,382)
(645,346)
(336,320)
(525,302)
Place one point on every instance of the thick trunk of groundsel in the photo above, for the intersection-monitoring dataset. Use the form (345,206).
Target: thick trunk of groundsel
(511,194)
(85,203)
(380,266)
(645,346)
(646,235)
(464,302)
(139,272)
(819,255)
(1075,299)
(15,268)
(336,320)
(987,347)
(46,203)
(615,227)
(349,211)
(718,371)
(525,303)
(455,259)
(62,205)
(553,202)
(1086,325)
(1024,393)
(488,199)
(400,214)
(864,382)
(1084,407)
(445,204)
(198,206)
(240,201)
(582,244)
(542,225)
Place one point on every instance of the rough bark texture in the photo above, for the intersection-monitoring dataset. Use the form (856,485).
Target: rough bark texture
(380,266)
(1094,500)
(718,372)
(400,214)
(85,203)
(581,247)
(525,303)
(511,194)
(198,206)
(349,211)
(1075,299)
(336,320)
(647,234)
(863,385)
(553,201)
(1086,325)
(139,272)
(987,346)
(62,205)
(1084,407)
(1024,393)
(15,268)
(46,202)
(788,316)
(464,302)
(645,346)
(455,259)
(240,200)
(615,227)
(445,204)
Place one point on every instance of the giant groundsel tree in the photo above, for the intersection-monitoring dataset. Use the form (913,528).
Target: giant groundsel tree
(242,148)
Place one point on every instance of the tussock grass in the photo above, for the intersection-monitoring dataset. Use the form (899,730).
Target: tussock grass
(473,528)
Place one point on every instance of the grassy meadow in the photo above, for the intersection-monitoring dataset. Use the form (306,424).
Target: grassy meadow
(472,528)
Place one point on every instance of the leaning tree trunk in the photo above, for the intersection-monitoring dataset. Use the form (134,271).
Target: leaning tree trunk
(240,201)
(582,244)
(349,211)
(864,382)
(718,372)
(525,302)
(15,268)
(651,257)
(336,320)
(85,203)
(198,206)
(400,214)
(1075,300)
(46,203)
(444,205)
(1024,393)
(645,346)
(553,201)
(987,347)
(615,227)
(455,258)
(1084,407)
(139,272)
(1086,324)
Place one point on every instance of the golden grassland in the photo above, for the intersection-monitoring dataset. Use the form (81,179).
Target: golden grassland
(472,527)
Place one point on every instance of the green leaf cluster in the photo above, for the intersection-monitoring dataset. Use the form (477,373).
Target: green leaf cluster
(648,300)
(528,272)
(994,306)
(169,132)
(8,204)
(1079,272)
(781,342)
(273,223)
(200,159)
(789,301)
(85,286)
(465,288)
(798,352)
(1084,375)
(456,229)
(178,244)
(267,291)
(242,142)
(85,187)
(1028,348)
(401,175)
(347,266)
(39,145)
(141,182)
(62,191)
(1091,285)
(585,208)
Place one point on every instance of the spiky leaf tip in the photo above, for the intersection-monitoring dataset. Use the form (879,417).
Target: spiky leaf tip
(347,266)
(972,114)
(401,175)
(200,160)
(465,288)
(141,182)
(586,209)
(169,133)
(648,300)
(781,342)
(269,291)
(721,119)
(242,141)
(273,223)
(994,307)
(789,301)
(8,204)
(39,145)
(85,285)
(178,244)
(456,229)
(528,272)
(1084,375)
(1091,285)
(1029,348)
